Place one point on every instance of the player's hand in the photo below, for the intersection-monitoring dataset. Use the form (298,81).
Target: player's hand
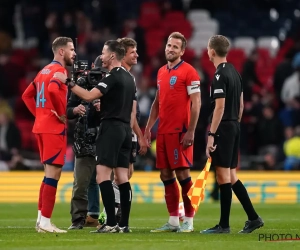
(210,146)
(143,145)
(79,110)
(62,118)
(188,139)
(96,104)
(147,136)
(60,76)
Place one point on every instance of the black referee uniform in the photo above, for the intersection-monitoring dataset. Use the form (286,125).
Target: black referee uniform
(227,83)
(134,145)
(114,142)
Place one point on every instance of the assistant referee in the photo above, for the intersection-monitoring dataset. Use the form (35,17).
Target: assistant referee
(224,136)
(118,108)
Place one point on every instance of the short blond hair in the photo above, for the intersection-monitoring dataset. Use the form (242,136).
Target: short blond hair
(178,35)
(60,42)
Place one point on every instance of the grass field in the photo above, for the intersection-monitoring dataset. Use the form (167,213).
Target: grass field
(17,229)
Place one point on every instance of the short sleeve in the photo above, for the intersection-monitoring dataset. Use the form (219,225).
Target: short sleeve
(192,82)
(107,83)
(219,86)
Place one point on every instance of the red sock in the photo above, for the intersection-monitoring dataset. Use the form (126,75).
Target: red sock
(41,194)
(185,187)
(172,196)
(49,194)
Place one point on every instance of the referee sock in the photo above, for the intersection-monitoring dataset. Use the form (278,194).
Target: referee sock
(125,198)
(48,197)
(185,187)
(242,195)
(225,200)
(108,199)
(172,200)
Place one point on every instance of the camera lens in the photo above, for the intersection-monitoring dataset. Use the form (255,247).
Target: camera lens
(81,81)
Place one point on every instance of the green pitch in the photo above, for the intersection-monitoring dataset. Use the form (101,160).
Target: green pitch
(17,230)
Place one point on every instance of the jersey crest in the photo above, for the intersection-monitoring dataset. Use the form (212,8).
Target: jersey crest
(173,80)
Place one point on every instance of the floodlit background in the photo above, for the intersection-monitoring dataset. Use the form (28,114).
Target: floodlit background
(265,48)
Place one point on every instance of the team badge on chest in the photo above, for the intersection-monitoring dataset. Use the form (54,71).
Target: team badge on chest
(173,80)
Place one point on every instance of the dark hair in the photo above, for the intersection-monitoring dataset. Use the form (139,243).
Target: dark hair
(97,62)
(178,35)
(127,42)
(117,48)
(60,42)
(220,44)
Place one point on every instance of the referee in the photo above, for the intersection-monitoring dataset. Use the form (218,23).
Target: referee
(224,136)
(118,104)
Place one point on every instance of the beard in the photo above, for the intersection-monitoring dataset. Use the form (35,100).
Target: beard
(171,58)
(68,61)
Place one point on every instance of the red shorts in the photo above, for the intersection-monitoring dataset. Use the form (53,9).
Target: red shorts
(170,154)
(52,148)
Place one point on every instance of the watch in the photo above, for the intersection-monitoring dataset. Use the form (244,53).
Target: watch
(70,83)
(212,134)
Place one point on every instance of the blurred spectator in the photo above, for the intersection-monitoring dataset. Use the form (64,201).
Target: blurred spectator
(10,138)
(249,75)
(11,74)
(291,86)
(292,150)
(283,70)
(269,129)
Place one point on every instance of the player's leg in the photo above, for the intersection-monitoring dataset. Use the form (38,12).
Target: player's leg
(132,159)
(184,160)
(54,158)
(254,221)
(221,160)
(121,173)
(40,146)
(108,146)
(167,176)
(93,198)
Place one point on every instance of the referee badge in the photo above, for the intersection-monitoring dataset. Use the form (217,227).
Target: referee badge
(173,80)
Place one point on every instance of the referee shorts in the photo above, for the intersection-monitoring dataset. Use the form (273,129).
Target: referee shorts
(113,145)
(228,142)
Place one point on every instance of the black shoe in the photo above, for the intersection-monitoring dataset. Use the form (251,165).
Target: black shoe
(251,225)
(216,230)
(77,224)
(125,230)
(107,229)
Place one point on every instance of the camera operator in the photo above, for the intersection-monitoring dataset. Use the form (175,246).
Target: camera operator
(118,108)
(85,196)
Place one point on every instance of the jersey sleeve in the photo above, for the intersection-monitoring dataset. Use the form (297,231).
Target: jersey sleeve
(107,83)
(219,86)
(53,89)
(192,82)
(28,97)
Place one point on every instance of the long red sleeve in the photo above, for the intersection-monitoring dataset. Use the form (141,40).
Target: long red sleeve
(28,97)
(54,92)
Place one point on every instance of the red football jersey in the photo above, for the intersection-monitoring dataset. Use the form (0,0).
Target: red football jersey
(45,95)
(174,87)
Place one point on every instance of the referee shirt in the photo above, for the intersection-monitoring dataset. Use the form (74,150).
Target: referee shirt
(227,83)
(119,92)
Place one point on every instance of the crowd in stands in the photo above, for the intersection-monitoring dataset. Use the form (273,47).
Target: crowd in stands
(270,127)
